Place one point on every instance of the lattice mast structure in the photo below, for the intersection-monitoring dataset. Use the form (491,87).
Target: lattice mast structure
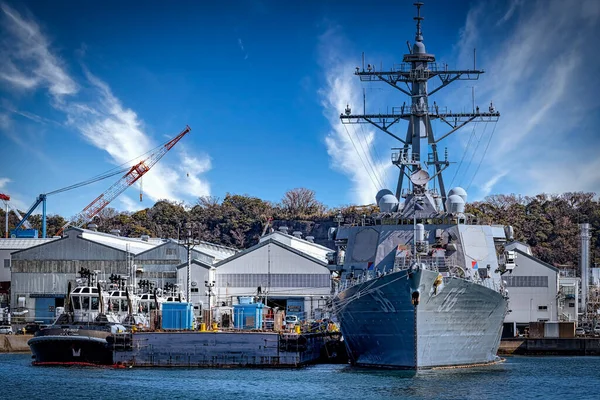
(411,78)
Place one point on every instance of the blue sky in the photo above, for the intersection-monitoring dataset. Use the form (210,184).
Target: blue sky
(86,86)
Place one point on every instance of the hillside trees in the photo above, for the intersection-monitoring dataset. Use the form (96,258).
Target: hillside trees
(548,223)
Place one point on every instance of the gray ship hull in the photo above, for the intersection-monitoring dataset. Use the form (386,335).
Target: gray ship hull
(457,323)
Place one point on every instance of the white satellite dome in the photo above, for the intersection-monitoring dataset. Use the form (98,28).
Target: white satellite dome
(388,203)
(459,192)
(455,204)
(382,193)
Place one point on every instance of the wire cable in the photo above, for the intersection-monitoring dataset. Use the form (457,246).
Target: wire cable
(464,154)
(361,160)
(473,155)
(119,169)
(374,150)
(368,156)
(484,152)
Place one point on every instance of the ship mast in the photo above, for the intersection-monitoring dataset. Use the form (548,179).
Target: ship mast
(411,78)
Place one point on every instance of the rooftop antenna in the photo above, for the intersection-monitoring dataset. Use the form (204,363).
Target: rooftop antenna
(418,18)
(420,138)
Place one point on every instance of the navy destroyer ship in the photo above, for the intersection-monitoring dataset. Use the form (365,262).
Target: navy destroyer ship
(419,284)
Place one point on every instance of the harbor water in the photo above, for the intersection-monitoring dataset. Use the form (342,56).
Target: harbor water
(517,378)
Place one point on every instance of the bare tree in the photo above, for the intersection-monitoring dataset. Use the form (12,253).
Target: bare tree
(301,203)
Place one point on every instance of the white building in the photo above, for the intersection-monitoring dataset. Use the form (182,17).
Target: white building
(7,247)
(532,289)
(568,298)
(40,274)
(283,270)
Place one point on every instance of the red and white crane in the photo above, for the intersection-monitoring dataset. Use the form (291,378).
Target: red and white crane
(130,177)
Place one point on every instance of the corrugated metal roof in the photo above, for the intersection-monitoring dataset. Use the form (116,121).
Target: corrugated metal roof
(313,249)
(272,240)
(20,243)
(133,245)
(217,251)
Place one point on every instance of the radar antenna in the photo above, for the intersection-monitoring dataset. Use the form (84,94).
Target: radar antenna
(412,78)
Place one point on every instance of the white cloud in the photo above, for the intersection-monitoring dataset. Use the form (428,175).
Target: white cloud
(15,198)
(110,126)
(241,44)
(509,13)
(487,187)
(3,182)
(104,121)
(5,121)
(349,146)
(538,77)
(191,168)
(29,49)
(129,204)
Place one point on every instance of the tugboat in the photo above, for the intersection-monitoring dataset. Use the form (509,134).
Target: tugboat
(419,284)
(83,334)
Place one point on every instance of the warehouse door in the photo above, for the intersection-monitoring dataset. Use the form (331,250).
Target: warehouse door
(44,309)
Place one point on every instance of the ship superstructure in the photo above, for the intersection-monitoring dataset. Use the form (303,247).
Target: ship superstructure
(419,284)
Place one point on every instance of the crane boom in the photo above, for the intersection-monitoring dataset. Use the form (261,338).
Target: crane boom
(6,199)
(130,177)
(18,214)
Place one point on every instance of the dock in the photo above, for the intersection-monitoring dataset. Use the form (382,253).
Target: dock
(14,343)
(585,346)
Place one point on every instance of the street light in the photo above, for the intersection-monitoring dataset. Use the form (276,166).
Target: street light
(209,285)
(190,243)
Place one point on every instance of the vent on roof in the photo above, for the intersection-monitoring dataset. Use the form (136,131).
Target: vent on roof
(310,239)
(298,234)
(145,238)
(93,227)
(283,229)
(116,232)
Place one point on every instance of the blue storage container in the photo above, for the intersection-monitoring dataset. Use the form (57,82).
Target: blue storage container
(245,299)
(248,316)
(177,316)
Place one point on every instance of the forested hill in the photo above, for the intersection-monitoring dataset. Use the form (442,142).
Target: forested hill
(548,223)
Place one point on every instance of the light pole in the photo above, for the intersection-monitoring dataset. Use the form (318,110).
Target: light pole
(188,237)
(209,285)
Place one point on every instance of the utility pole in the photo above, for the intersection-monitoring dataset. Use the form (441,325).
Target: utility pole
(6,199)
(188,227)
(209,285)
(268,273)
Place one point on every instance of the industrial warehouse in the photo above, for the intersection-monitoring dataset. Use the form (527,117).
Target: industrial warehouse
(285,271)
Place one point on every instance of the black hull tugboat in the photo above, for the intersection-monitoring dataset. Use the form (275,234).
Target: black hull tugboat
(73,345)
(83,335)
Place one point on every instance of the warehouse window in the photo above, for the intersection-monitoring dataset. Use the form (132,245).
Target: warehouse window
(194,290)
(170,252)
(526,281)
(542,308)
(273,280)
(7,263)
